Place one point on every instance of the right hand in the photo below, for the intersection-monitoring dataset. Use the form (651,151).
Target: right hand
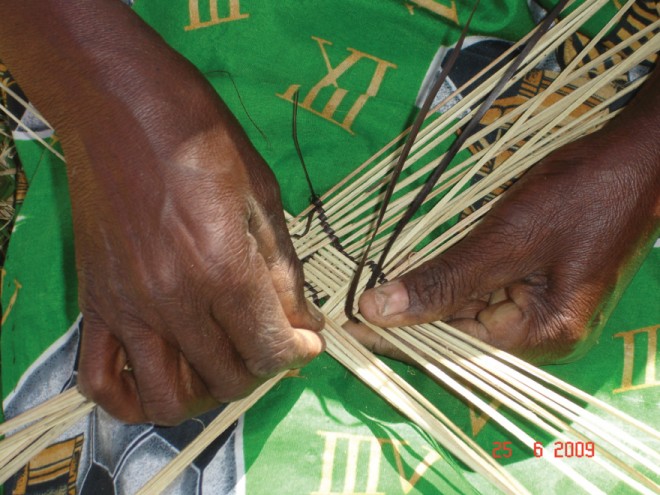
(190,289)
(186,272)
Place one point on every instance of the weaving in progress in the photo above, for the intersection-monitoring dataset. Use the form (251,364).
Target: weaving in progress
(393,130)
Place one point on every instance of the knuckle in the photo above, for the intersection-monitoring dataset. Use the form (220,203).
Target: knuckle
(161,285)
(167,404)
(234,264)
(432,287)
(288,273)
(94,385)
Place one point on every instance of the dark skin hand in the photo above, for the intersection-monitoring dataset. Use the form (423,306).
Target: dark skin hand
(191,291)
(539,275)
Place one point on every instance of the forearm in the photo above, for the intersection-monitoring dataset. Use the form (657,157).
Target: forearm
(96,57)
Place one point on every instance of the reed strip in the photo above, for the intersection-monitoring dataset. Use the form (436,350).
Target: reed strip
(32,134)
(224,420)
(65,400)
(60,425)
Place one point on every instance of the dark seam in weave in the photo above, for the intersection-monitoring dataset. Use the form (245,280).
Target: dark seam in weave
(314,293)
(318,202)
(334,239)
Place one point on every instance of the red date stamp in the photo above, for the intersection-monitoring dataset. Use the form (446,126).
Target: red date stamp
(558,449)
(567,449)
(502,450)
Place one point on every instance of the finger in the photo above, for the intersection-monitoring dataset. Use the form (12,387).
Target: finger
(214,357)
(170,390)
(102,373)
(472,327)
(500,325)
(505,326)
(470,310)
(507,323)
(251,314)
(444,285)
(285,268)
(374,342)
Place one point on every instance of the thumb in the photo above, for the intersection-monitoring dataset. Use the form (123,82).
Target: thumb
(457,279)
(286,271)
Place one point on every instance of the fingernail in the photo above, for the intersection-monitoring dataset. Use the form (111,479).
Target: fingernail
(318,316)
(391,299)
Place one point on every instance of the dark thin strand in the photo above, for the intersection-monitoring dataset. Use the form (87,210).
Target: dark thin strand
(240,100)
(316,201)
(455,148)
(396,171)
(466,133)
(325,225)
(334,239)
(296,144)
(294,132)
(308,226)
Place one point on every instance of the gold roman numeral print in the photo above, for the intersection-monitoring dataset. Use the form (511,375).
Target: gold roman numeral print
(326,107)
(445,9)
(232,12)
(479,419)
(631,339)
(346,455)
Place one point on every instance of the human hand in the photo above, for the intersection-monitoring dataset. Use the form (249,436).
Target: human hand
(539,275)
(186,273)
(185,268)
(189,286)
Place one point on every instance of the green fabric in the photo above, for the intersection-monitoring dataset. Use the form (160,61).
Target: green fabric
(252,61)
(39,293)
(274,48)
